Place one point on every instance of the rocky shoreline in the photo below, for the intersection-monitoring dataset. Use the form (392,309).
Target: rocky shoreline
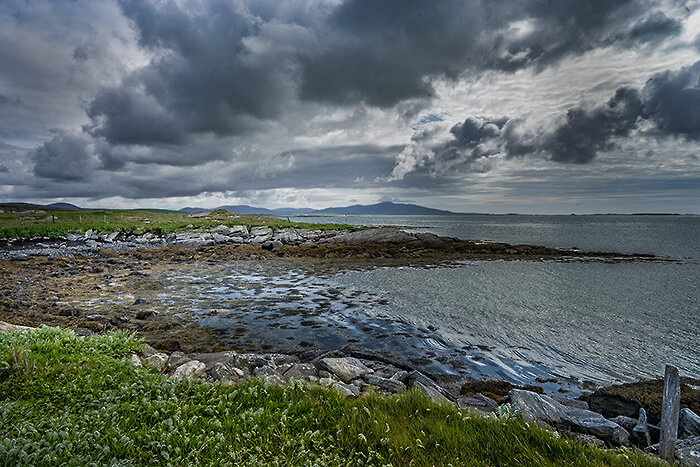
(292,242)
(581,419)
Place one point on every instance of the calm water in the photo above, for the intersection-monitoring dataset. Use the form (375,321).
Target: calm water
(596,321)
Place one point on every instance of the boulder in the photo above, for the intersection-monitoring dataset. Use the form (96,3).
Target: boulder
(593,423)
(347,390)
(434,391)
(135,360)
(379,235)
(190,370)
(687,451)
(639,435)
(688,424)
(587,439)
(628,423)
(346,368)
(301,371)
(222,372)
(535,407)
(479,402)
(176,359)
(385,384)
(158,361)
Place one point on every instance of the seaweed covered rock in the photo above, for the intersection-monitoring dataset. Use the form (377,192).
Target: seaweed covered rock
(494,389)
(627,399)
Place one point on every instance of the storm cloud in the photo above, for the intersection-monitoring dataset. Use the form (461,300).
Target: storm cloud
(178,98)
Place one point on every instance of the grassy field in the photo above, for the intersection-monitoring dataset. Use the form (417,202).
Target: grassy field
(55,224)
(79,401)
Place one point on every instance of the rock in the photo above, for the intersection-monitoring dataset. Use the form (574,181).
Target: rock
(593,423)
(264,371)
(434,391)
(571,403)
(148,351)
(347,390)
(495,389)
(628,423)
(586,439)
(688,424)
(111,237)
(145,314)
(640,432)
(190,370)
(687,451)
(378,235)
(272,245)
(135,360)
(385,384)
(177,359)
(250,361)
(427,237)
(479,402)
(346,368)
(158,361)
(95,318)
(627,399)
(222,372)
(301,371)
(535,407)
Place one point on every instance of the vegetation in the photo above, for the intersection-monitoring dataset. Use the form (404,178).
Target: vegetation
(55,224)
(80,401)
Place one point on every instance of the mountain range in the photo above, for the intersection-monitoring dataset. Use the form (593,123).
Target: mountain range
(385,208)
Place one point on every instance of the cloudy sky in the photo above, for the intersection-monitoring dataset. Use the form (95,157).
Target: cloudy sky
(530,106)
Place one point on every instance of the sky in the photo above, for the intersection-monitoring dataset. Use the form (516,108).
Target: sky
(529,106)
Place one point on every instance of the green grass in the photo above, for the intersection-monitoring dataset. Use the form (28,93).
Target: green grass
(79,401)
(33,225)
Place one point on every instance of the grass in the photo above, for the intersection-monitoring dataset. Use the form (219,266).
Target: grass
(56,224)
(79,401)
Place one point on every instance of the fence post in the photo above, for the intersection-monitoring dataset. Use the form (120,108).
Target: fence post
(670,408)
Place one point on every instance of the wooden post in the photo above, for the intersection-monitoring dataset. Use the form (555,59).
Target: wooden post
(53,219)
(671,406)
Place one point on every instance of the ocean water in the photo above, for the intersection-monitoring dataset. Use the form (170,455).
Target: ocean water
(519,320)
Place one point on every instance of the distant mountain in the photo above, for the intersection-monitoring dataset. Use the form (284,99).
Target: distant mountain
(236,209)
(64,207)
(385,208)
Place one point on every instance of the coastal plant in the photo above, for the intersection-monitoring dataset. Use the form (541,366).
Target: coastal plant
(85,403)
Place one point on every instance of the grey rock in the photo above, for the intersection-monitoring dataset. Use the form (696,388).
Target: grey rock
(346,368)
(158,361)
(380,235)
(687,451)
(250,361)
(688,424)
(479,402)
(213,358)
(536,407)
(593,423)
(586,439)
(111,237)
(628,423)
(148,351)
(190,370)
(571,403)
(324,374)
(434,391)
(177,359)
(385,384)
(640,435)
(401,375)
(135,360)
(301,371)
(266,370)
(95,318)
(427,237)
(347,390)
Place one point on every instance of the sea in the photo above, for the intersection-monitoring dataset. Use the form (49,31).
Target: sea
(561,325)
(591,321)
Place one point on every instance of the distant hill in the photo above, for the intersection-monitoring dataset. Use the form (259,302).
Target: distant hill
(385,208)
(245,209)
(64,207)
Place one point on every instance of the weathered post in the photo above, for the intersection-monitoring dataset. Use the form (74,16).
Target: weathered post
(670,408)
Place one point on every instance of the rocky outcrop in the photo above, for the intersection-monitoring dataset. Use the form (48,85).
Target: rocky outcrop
(688,424)
(545,410)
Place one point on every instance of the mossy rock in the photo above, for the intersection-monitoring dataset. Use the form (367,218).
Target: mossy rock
(626,399)
(494,389)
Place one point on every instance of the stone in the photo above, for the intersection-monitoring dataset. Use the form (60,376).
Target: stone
(572,403)
(430,388)
(639,435)
(135,360)
(628,423)
(265,371)
(688,424)
(479,402)
(385,384)
(586,439)
(157,361)
(222,372)
(347,390)
(346,368)
(593,423)
(535,407)
(148,351)
(190,370)
(401,375)
(378,235)
(687,451)
(301,371)
(177,359)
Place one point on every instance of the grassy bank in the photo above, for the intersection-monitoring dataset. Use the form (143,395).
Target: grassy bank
(60,223)
(79,401)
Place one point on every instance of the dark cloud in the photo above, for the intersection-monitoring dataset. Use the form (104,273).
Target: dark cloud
(669,104)
(672,101)
(656,27)
(4,169)
(66,157)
